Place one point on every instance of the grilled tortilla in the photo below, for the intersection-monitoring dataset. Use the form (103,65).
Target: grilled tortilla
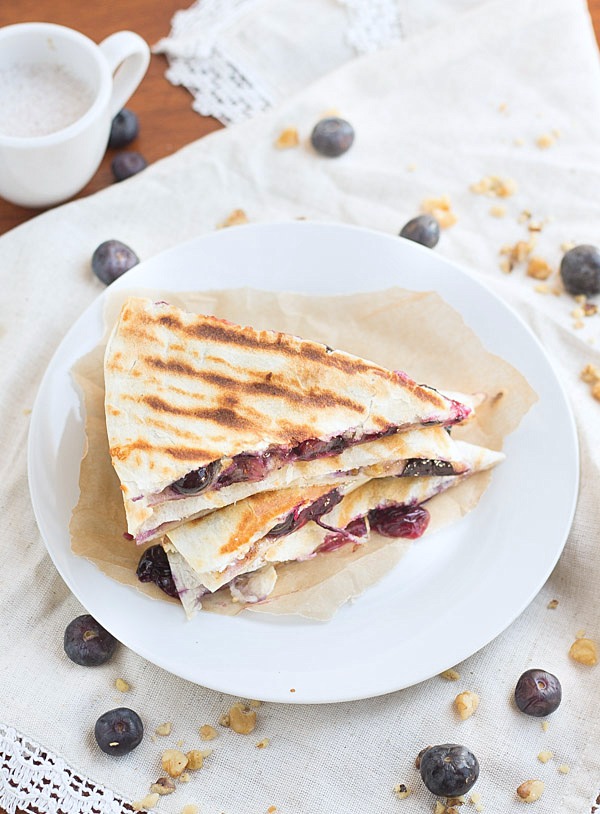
(194,403)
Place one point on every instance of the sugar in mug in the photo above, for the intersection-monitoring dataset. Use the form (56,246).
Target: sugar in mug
(42,170)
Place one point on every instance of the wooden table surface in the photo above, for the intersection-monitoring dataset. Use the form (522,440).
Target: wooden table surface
(167,121)
(166,116)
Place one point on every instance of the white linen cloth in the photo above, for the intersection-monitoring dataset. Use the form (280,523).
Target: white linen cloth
(428,122)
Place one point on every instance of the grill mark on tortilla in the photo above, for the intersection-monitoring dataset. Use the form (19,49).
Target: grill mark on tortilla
(262,387)
(179,453)
(224,416)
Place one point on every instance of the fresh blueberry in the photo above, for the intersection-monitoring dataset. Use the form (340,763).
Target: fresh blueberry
(580,270)
(119,731)
(127,163)
(423,229)
(154,567)
(111,259)
(332,137)
(538,693)
(87,643)
(124,128)
(449,770)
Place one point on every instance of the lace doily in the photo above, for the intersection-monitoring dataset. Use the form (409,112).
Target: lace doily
(203,54)
(33,780)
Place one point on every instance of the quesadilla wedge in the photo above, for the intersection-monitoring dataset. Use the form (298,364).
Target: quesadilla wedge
(240,546)
(195,404)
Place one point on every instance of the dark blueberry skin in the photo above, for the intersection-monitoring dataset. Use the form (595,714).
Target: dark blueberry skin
(87,643)
(124,129)
(197,481)
(119,731)
(538,693)
(448,770)
(426,468)
(127,163)
(154,567)
(332,137)
(112,259)
(580,270)
(423,229)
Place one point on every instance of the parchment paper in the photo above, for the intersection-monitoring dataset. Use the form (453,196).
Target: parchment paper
(411,331)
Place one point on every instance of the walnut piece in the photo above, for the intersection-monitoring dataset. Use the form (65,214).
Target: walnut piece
(494,186)
(149,801)
(235,218)
(208,732)
(545,756)
(263,743)
(174,762)
(552,604)
(190,808)
(545,140)
(450,675)
(401,791)
(164,729)
(590,374)
(242,719)
(164,785)
(530,790)
(584,651)
(195,759)
(564,769)
(287,139)
(517,253)
(466,703)
(539,269)
(441,209)
(122,685)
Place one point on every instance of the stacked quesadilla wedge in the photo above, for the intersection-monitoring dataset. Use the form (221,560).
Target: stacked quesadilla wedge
(239,449)
(201,413)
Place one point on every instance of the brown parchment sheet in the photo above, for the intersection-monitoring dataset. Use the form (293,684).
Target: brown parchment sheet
(416,332)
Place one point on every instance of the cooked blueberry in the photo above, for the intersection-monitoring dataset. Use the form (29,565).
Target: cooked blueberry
(154,567)
(119,731)
(197,481)
(246,467)
(315,448)
(449,770)
(538,693)
(409,522)
(332,137)
(112,259)
(423,229)
(580,270)
(124,128)
(426,468)
(87,643)
(127,163)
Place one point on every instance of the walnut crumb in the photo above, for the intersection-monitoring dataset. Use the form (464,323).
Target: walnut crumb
(577,313)
(411,167)
(190,808)
(584,651)
(531,790)
(518,252)
(535,226)
(541,288)
(590,374)
(263,743)
(519,142)
(545,756)
(552,604)
(255,704)
(494,186)
(498,211)
(149,801)
(578,324)
(208,732)
(287,139)
(466,703)
(164,785)
(502,107)
(122,685)
(450,675)
(545,725)
(185,777)
(235,218)
(401,791)
(596,391)
(545,141)
(563,768)
(174,762)
(589,309)
(441,209)
(164,729)
(440,808)
(539,269)
(242,719)
(271,809)
(475,798)
(567,245)
(195,759)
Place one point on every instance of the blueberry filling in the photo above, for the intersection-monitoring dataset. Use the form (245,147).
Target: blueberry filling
(197,481)
(296,519)
(408,522)
(154,567)
(426,468)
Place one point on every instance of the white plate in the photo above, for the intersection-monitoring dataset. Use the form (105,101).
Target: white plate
(445,601)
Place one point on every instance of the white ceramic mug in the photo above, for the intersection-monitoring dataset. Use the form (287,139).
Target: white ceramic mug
(42,170)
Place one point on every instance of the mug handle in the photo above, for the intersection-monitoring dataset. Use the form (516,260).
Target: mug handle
(128,57)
